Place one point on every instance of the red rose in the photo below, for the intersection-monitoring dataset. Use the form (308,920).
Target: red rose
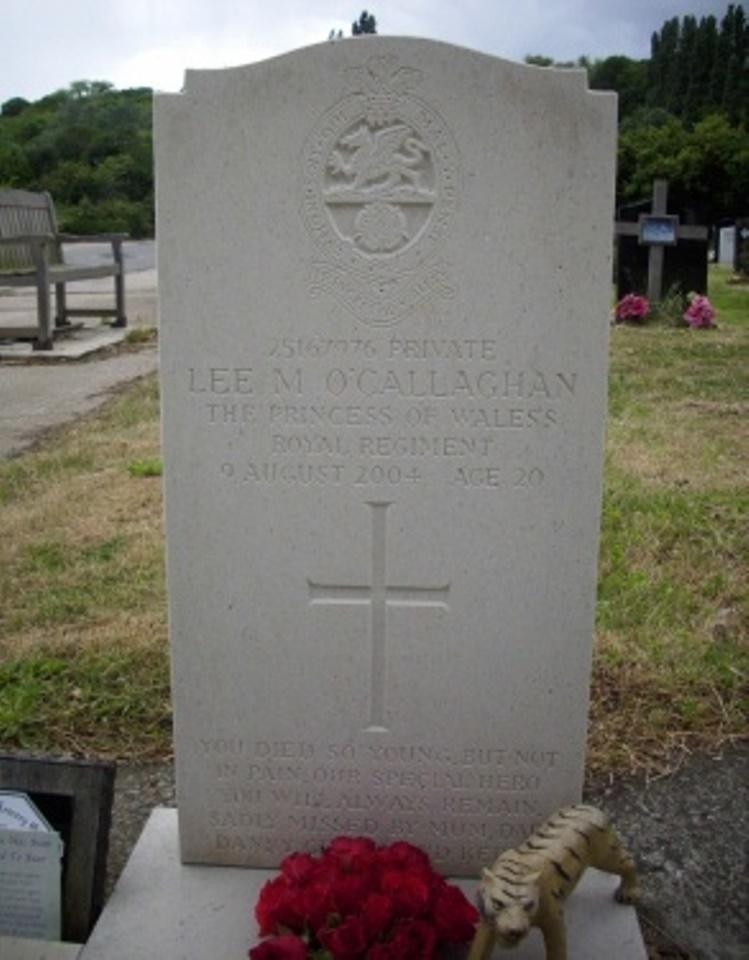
(298,867)
(382,951)
(405,856)
(377,913)
(410,892)
(357,901)
(277,907)
(352,889)
(348,941)
(455,918)
(416,940)
(317,903)
(348,850)
(280,948)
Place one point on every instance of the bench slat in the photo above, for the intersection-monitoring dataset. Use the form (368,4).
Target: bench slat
(64,274)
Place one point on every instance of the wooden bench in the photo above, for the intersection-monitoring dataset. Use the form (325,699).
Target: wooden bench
(31,255)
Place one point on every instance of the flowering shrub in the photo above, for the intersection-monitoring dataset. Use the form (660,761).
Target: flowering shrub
(633,306)
(358,901)
(700,312)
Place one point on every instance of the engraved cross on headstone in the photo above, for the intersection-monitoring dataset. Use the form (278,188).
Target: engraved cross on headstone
(379,595)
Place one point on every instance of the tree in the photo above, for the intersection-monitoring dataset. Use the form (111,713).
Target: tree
(15,170)
(629,78)
(698,67)
(539,60)
(91,147)
(707,167)
(12,108)
(365,24)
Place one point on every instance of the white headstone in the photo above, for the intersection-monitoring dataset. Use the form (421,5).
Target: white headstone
(385,271)
(727,245)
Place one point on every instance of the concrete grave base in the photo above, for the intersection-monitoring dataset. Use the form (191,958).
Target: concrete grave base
(163,908)
(18,948)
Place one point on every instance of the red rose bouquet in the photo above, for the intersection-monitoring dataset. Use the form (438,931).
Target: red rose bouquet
(358,901)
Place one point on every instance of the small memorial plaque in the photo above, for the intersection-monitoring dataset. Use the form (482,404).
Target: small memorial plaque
(658,230)
(30,871)
(73,799)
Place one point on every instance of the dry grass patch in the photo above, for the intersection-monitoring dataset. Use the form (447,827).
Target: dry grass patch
(648,715)
(702,444)
(679,405)
(83,660)
(671,667)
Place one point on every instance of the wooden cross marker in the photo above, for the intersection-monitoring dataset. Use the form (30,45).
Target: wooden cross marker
(658,209)
(379,595)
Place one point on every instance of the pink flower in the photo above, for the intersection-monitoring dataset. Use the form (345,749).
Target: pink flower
(632,307)
(700,312)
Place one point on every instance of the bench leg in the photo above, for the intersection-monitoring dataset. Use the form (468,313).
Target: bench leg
(61,308)
(120,319)
(44,340)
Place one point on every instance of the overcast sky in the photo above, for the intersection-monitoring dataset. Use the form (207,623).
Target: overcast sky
(47,44)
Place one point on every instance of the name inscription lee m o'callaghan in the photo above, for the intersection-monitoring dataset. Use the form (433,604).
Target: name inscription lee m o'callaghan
(382,411)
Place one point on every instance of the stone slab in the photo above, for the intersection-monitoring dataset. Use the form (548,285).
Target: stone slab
(16,948)
(384,276)
(78,343)
(163,908)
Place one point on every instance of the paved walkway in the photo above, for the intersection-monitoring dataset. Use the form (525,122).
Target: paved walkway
(42,390)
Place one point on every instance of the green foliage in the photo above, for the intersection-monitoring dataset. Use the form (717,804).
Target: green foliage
(539,60)
(12,108)
(90,147)
(698,67)
(365,24)
(670,310)
(683,114)
(707,165)
(628,77)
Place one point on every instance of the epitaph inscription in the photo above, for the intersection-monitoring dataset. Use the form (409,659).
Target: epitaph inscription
(264,790)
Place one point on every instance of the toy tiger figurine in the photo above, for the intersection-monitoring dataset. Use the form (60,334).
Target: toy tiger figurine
(526,886)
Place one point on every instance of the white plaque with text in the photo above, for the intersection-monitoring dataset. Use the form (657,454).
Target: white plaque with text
(30,871)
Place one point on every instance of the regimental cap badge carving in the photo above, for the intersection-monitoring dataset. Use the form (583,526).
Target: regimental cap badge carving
(379,187)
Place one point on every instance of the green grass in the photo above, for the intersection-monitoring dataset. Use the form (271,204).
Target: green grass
(83,639)
(116,691)
(150,467)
